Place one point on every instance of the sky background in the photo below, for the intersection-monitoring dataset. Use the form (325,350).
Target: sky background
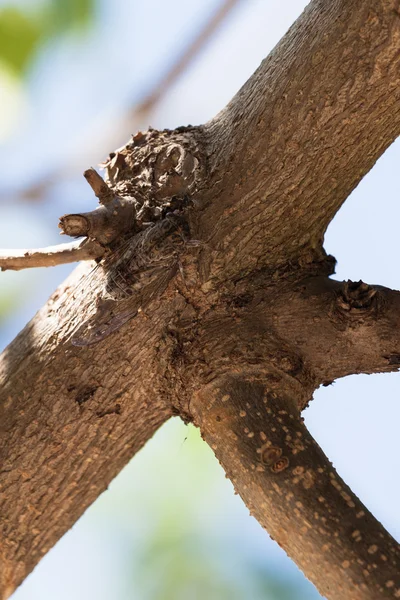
(170,526)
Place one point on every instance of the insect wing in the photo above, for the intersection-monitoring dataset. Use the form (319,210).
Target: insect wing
(112,314)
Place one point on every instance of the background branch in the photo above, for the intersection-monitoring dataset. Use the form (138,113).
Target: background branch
(140,112)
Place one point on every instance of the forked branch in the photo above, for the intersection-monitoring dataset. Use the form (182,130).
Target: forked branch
(258,186)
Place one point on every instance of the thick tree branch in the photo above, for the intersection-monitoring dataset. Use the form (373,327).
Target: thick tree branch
(300,135)
(70,419)
(253,425)
(230,272)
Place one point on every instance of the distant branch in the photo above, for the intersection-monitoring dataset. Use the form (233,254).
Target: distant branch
(51,256)
(183,62)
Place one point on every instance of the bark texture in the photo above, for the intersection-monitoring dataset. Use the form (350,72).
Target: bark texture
(252,422)
(330,107)
(217,306)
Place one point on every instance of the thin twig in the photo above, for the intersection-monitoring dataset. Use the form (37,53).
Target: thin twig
(51,256)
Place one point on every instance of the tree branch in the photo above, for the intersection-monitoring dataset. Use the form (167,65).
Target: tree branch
(140,112)
(300,135)
(99,186)
(71,418)
(253,425)
(338,328)
(254,190)
(50,256)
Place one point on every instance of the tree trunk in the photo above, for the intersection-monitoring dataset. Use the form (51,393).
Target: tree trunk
(217,306)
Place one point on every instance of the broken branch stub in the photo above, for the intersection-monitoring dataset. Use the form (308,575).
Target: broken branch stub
(104,224)
(155,174)
(99,186)
(114,216)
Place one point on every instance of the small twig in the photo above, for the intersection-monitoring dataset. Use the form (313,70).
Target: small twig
(114,216)
(99,186)
(51,256)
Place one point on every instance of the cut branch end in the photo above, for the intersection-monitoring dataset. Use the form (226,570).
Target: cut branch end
(76,225)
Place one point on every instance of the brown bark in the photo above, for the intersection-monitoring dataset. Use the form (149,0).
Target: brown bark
(70,420)
(220,297)
(252,423)
(330,107)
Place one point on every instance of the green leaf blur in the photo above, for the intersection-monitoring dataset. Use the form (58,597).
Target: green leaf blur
(22,31)
(9,300)
(69,14)
(19,37)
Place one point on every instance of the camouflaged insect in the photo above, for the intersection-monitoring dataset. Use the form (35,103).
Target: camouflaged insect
(135,272)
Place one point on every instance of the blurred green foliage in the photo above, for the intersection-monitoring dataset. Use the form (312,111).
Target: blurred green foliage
(181,567)
(173,511)
(8,301)
(24,28)
(69,14)
(19,37)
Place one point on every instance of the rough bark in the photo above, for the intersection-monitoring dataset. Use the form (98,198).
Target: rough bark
(70,420)
(330,107)
(217,296)
(253,424)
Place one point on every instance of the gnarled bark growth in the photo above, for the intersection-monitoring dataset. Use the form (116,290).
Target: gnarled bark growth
(216,304)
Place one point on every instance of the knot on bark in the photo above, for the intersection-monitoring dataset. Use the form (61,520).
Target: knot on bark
(159,167)
(356,296)
(155,174)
